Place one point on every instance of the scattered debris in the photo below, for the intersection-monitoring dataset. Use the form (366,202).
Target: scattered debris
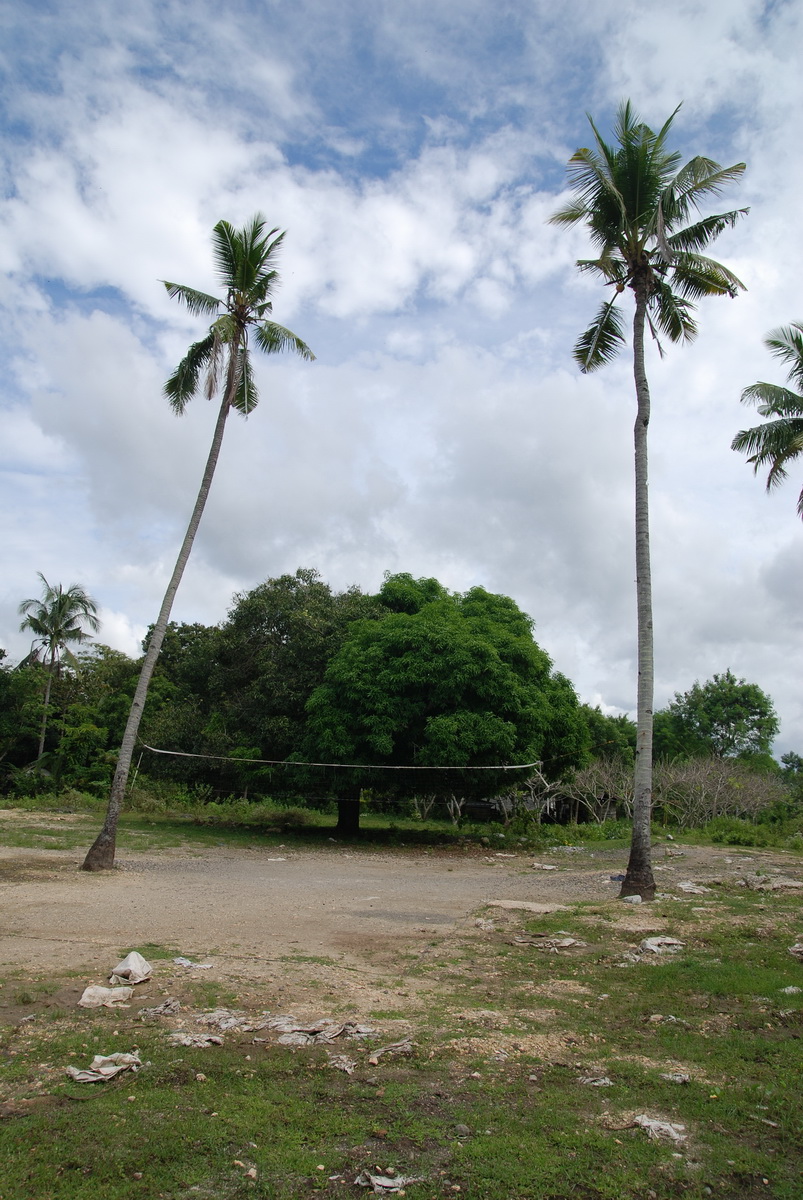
(225,1018)
(527,906)
(180,1037)
(597,1081)
(660,1130)
(791,991)
(763,883)
(168,1008)
(342,1062)
(103,997)
(676,1076)
(186,962)
(405,1046)
(668,1019)
(661,945)
(486,926)
(631,899)
(543,866)
(797,950)
(693,889)
(293,1033)
(103,1067)
(133,969)
(670,853)
(385,1185)
(617,878)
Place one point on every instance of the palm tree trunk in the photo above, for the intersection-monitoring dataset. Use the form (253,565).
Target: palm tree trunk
(100,856)
(46,706)
(639,879)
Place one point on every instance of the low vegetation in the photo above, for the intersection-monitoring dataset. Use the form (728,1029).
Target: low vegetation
(537,1042)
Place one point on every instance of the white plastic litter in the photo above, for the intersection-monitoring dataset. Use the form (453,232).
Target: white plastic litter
(200,1040)
(169,1008)
(693,889)
(791,991)
(293,1033)
(386,1185)
(103,1067)
(342,1062)
(797,950)
(186,962)
(676,1076)
(661,945)
(225,1018)
(405,1046)
(660,1130)
(631,899)
(133,969)
(103,997)
(597,1081)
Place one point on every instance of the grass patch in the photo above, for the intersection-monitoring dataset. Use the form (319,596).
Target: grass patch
(491,1102)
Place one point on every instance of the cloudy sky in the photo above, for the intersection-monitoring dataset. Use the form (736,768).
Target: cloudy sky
(413,153)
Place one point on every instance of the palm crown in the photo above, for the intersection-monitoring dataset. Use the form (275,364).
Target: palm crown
(780,440)
(636,201)
(246,266)
(56,619)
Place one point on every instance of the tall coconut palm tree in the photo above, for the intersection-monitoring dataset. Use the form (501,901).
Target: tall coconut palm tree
(246,266)
(637,201)
(780,441)
(56,620)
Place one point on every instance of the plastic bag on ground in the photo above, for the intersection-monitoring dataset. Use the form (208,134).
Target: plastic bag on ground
(186,962)
(133,969)
(661,945)
(660,1130)
(103,997)
(103,1067)
(386,1185)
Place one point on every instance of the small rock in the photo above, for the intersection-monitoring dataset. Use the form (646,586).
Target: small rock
(462,1130)
(631,899)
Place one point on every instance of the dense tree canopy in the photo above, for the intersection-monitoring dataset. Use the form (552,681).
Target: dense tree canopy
(724,716)
(444,681)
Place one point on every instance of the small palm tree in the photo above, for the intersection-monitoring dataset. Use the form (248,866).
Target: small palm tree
(246,266)
(780,441)
(636,201)
(56,620)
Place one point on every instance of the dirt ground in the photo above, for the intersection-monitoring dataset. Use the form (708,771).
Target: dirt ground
(337,923)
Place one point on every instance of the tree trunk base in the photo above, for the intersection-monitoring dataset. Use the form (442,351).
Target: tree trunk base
(100,856)
(638,882)
(348,818)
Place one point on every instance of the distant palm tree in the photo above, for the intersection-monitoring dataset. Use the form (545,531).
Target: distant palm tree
(780,441)
(246,266)
(636,200)
(56,620)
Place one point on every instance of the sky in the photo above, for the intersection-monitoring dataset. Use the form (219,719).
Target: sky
(413,153)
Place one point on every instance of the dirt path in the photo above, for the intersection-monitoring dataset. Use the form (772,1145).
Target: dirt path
(339,920)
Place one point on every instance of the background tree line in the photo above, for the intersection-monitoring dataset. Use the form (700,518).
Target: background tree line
(411,676)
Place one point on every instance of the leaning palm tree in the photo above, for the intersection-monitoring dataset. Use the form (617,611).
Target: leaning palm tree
(778,442)
(56,620)
(246,266)
(637,201)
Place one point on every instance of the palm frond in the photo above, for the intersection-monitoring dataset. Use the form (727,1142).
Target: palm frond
(776,444)
(610,265)
(246,397)
(601,341)
(786,343)
(700,177)
(671,313)
(695,276)
(571,214)
(183,383)
(773,401)
(699,235)
(199,303)
(273,338)
(224,250)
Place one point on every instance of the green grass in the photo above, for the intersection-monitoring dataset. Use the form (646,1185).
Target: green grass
(508,1033)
